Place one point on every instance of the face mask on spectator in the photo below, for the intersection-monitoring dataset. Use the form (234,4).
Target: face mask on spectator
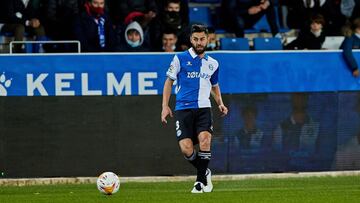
(211,45)
(172,17)
(357,35)
(134,44)
(173,14)
(316,33)
(97,11)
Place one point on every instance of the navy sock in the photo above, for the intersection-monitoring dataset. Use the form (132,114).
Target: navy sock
(203,163)
(193,159)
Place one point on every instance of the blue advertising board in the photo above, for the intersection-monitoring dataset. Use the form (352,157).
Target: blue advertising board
(144,73)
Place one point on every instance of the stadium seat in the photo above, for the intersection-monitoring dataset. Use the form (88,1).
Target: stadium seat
(234,44)
(200,15)
(267,44)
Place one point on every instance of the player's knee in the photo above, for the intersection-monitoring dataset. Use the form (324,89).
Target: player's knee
(187,148)
(205,141)
(187,151)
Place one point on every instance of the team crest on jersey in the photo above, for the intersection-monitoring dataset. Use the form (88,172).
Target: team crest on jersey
(189,63)
(171,68)
(211,67)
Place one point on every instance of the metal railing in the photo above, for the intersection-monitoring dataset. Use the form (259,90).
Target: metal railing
(46,42)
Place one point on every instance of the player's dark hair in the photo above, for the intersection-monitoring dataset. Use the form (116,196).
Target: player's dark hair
(199,28)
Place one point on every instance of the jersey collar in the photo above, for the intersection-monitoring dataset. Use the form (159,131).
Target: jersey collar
(194,55)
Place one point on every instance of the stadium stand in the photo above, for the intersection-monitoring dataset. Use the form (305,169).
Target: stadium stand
(210,12)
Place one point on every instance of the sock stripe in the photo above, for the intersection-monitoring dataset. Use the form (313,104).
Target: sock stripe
(191,157)
(204,155)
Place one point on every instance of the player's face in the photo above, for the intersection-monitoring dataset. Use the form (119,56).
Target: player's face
(199,42)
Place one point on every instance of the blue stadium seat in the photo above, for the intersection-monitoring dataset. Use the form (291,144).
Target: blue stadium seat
(234,44)
(200,15)
(267,44)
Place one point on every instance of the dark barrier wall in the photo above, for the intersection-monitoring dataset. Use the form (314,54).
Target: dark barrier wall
(84,136)
(290,132)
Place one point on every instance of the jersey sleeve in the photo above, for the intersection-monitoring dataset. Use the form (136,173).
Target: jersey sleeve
(215,77)
(174,68)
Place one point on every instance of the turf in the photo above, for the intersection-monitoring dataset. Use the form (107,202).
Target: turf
(324,189)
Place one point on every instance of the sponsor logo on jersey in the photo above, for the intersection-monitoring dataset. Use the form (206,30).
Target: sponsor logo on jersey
(195,74)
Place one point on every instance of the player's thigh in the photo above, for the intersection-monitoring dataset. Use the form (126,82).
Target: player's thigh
(184,124)
(203,121)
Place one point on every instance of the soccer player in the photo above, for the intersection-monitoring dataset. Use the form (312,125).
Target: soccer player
(196,74)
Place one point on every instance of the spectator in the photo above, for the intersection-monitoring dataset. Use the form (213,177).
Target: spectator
(94,29)
(169,40)
(184,11)
(134,39)
(170,19)
(23,16)
(296,138)
(349,43)
(121,11)
(250,136)
(246,13)
(348,154)
(312,38)
(300,12)
(58,18)
(350,9)
(213,42)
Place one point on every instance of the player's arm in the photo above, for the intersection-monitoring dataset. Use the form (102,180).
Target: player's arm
(216,93)
(165,101)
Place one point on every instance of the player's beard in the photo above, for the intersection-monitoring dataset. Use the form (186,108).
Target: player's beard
(199,49)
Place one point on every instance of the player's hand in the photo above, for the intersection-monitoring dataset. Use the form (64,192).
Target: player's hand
(223,110)
(164,113)
(254,10)
(264,4)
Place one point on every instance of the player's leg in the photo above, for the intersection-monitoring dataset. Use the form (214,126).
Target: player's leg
(204,172)
(187,149)
(204,130)
(185,135)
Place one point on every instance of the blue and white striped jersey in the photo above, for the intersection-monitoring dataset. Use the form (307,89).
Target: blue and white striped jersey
(195,77)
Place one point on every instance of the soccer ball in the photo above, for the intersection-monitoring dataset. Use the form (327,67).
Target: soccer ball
(108,183)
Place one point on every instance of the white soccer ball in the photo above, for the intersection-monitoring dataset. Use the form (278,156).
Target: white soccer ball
(108,183)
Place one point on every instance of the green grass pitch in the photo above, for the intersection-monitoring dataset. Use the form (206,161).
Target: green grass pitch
(321,189)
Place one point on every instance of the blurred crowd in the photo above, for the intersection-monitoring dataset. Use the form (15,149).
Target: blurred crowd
(163,25)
